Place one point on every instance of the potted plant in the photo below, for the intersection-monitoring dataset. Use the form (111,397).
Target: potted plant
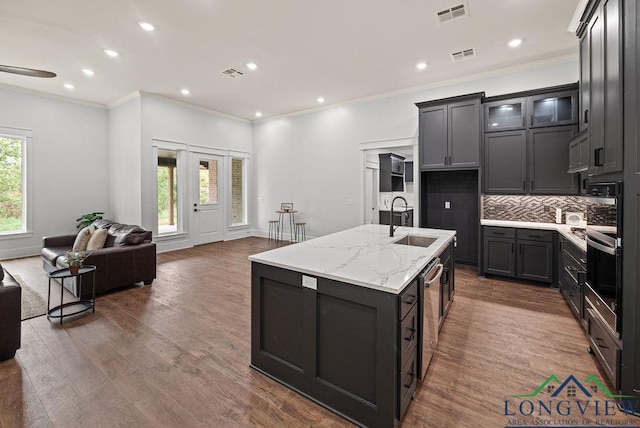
(74,260)
(86,219)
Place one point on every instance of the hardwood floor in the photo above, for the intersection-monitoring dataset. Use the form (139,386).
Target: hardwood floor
(177,353)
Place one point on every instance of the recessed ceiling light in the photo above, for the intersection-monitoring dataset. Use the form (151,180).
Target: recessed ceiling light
(421,65)
(68,86)
(258,114)
(515,43)
(146,26)
(252,65)
(184,91)
(88,72)
(320,100)
(111,53)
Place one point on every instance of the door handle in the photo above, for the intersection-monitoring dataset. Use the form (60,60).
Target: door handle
(195,210)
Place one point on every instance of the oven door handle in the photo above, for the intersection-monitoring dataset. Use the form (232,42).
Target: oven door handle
(600,247)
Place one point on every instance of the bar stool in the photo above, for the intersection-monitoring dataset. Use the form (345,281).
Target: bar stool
(300,231)
(274,230)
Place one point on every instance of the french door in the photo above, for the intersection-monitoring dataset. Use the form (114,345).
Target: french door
(207,198)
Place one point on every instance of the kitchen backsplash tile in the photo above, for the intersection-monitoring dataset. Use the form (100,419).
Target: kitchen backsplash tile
(543,209)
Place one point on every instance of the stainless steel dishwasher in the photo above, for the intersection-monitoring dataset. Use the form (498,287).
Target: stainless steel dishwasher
(429,291)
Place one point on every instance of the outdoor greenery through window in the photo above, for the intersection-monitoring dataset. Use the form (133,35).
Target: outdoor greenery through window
(167,191)
(11,184)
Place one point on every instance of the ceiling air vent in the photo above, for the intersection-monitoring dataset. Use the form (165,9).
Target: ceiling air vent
(452,13)
(462,55)
(232,72)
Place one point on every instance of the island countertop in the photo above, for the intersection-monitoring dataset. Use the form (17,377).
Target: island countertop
(365,256)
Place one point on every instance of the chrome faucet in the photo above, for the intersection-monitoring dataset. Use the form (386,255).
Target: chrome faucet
(406,208)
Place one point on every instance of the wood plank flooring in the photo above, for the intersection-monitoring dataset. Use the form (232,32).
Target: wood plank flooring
(177,353)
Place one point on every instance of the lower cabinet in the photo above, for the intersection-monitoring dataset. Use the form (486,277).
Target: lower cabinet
(571,277)
(447,283)
(354,350)
(519,253)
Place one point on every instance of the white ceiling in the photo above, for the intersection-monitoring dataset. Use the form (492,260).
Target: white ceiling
(338,49)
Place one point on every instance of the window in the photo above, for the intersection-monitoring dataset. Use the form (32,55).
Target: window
(168,192)
(238,192)
(12,184)
(208,181)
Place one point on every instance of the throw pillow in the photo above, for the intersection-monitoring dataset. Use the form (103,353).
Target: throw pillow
(97,240)
(82,239)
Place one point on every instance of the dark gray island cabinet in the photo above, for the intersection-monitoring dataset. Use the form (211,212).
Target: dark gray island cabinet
(338,319)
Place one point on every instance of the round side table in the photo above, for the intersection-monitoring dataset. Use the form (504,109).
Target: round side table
(78,306)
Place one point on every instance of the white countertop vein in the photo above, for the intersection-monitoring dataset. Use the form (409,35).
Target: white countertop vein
(365,255)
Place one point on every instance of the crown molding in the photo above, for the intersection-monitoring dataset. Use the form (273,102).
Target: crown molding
(51,96)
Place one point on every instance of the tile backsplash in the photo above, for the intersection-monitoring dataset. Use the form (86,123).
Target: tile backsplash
(543,209)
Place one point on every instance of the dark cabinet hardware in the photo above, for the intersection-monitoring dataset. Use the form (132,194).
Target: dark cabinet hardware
(410,302)
(586,116)
(413,379)
(597,157)
(411,336)
(532,181)
(524,185)
(499,233)
(536,236)
(512,247)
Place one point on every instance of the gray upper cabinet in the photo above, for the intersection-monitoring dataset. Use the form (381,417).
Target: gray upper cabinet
(450,133)
(579,152)
(585,82)
(601,54)
(548,160)
(505,115)
(505,162)
(553,109)
(433,137)
(532,158)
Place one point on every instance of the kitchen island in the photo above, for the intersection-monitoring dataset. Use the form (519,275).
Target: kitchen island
(338,318)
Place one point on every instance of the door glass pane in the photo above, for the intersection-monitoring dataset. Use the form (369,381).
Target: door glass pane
(237,192)
(505,116)
(551,110)
(208,181)
(167,191)
(11,185)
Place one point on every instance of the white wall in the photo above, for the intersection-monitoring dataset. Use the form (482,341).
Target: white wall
(167,120)
(68,167)
(125,187)
(314,159)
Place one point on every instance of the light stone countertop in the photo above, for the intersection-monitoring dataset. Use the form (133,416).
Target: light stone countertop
(364,256)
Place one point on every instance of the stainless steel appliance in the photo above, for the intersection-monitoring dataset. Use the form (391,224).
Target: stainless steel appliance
(429,290)
(603,287)
(604,261)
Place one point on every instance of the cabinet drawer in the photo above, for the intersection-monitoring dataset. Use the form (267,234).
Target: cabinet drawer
(408,335)
(578,255)
(408,299)
(499,232)
(603,346)
(572,295)
(536,235)
(408,380)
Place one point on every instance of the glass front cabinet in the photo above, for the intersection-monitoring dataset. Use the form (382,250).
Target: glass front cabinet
(505,115)
(560,108)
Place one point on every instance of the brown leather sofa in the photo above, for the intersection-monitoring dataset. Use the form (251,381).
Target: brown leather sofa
(128,257)
(10,300)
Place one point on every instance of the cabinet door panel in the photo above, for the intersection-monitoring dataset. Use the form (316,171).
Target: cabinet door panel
(548,160)
(585,82)
(504,115)
(555,109)
(612,87)
(505,162)
(498,256)
(433,137)
(535,261)
(464,134)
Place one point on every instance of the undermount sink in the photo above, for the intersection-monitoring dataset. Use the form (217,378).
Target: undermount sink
(416,240)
